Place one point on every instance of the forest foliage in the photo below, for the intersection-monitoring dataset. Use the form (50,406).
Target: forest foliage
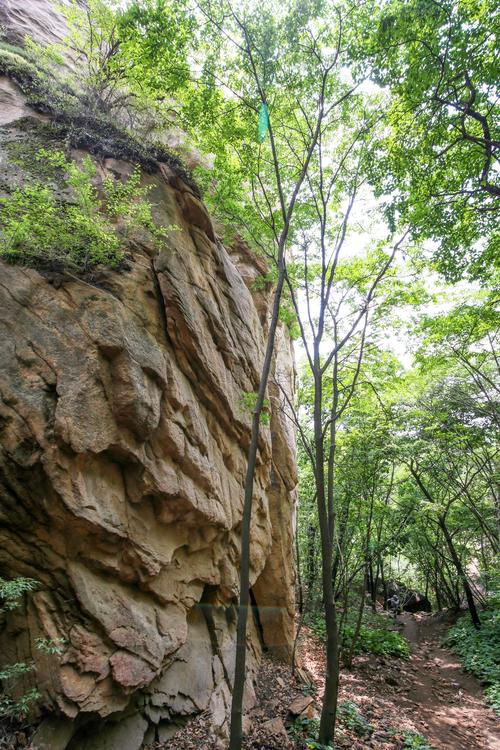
(372,193)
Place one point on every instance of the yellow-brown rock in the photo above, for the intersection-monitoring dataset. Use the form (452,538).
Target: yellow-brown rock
(123,440)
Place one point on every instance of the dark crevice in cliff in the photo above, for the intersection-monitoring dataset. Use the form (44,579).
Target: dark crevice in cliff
(161,303)
(206,606)
(257,620)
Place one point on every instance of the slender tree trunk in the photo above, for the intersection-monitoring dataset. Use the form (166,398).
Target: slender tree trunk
(373,587)
(461,572)
(453,596)
(329,707)
(439,603)
(236,731)
(384,582)
(311,558)
(359,620)
(301,605)
(299,576)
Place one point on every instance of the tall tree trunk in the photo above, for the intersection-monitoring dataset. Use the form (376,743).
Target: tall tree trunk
(373,586)
(236,731)
(329,707)
(384,582)
(461,572)
(357,630)
(453,595)
(311,558)
(436,588)
(299,576)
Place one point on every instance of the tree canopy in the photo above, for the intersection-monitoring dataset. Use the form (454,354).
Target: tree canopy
(352,146)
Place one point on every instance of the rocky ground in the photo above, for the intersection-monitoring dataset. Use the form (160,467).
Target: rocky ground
(393,699)
(383,702)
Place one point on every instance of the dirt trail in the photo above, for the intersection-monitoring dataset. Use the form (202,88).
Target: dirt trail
(449,703)
(427,693)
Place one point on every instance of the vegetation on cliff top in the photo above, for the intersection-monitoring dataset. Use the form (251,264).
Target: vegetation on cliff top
(66,224)
(372,182)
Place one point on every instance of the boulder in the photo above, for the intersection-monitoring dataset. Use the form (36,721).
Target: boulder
(276,728)
(300,704)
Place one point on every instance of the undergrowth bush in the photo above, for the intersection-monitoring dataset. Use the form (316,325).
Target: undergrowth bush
(415,741)
(68,224)
(304,727)
(377,641)
(374,636)
(479,650)
(349,715)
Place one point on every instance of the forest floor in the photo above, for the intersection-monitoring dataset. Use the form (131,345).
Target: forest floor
(449,702)
(424,702)
(427,694)
(398,702)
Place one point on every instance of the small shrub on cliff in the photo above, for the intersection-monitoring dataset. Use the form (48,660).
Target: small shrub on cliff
(68,224)
(43,89)
(19,707)
(11,593)
(248,401)
(125,62)
(13,704)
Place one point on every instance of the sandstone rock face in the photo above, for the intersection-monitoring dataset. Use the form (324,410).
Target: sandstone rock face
(123,439)
(12,104)
(38,19)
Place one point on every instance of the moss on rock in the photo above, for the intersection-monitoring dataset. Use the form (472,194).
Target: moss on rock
(74,123)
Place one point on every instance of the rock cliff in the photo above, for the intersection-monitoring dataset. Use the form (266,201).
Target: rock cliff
(123,439)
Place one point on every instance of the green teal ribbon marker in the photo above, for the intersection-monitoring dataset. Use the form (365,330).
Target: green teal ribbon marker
(263,126)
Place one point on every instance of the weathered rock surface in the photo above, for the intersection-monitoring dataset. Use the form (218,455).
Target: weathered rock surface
(38,19)
(123,440)
(300,704)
